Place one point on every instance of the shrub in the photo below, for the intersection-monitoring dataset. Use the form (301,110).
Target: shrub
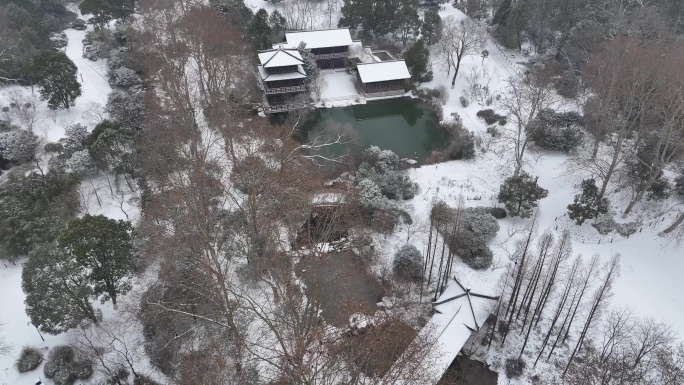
(62,368)
(98,44)
(520,194)
(586,204)
(53,147)
(123,77)
(60,357)
(493,131)
(497,212)
(489,116)
(82,369)
(408,263)
(461,141)
(464,101)
(556,131)
(476,227)
(18,145)
(514,367)
(29,359)
(386,170)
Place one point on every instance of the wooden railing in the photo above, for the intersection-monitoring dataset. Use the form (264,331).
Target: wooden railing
(283,90)
(331,55)
(284,108)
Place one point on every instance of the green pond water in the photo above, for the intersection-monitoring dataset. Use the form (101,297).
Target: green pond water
(406,126)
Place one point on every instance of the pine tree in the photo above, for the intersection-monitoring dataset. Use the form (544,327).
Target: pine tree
(520,194)
(260,30)
(418,62)
(587,204)
(57,291)
(55,73)
(278,26)
(431,29)
(104,248)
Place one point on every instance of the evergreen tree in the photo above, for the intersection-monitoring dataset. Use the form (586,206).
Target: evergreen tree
(431,29)
(260,30)
(278,26)
(418,62)
(104,11)
(587,204)
(502,13)
(57,291)
(33,208)
(408,263)
(313,72)
(111,146)
(407,21)
(520,194)
(103,247)
(55,73)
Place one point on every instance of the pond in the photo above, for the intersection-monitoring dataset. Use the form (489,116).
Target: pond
(408,127)
(340,283)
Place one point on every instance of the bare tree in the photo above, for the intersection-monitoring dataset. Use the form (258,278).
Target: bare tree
(522,101)
(459,39)
(305,14)
(611,272)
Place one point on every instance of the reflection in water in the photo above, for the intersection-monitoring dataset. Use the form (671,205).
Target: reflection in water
(406,126)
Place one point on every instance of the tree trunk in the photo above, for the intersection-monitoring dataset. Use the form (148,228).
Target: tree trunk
(458,65)
(675,224)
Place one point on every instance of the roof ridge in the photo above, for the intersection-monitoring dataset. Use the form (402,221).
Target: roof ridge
(384,61)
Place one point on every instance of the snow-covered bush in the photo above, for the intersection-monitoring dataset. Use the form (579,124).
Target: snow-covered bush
(76,138)
(386,170)
(17,145)
(514,367)
(59,357)
(123,77)
(98,43)
(556,131)
(81,163)
(126,107)
(476,227)
(408,263)
(605,224)
(464,101)
(489,116)
(28,360)
(79,25)
(62,368)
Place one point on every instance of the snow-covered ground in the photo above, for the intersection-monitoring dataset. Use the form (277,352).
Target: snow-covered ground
(338,89)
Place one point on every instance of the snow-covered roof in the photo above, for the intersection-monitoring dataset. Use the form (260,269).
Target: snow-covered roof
(289,75)
(280,57)
(383,71)
(458,314)
(320,39)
